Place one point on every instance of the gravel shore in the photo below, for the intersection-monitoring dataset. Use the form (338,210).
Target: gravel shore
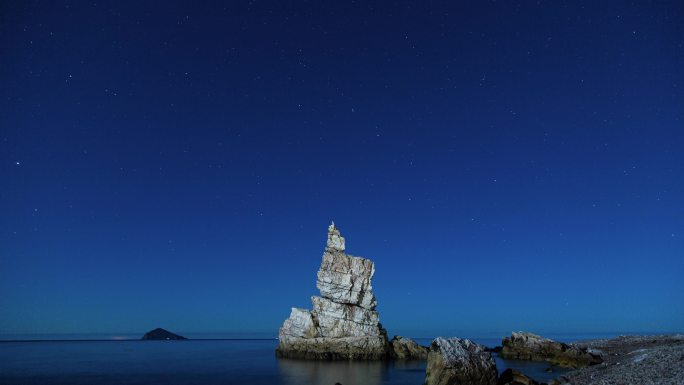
(633,360)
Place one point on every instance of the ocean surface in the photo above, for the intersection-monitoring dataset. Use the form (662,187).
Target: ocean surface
(205,362)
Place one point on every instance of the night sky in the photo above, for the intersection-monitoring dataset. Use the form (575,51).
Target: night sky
(507,165)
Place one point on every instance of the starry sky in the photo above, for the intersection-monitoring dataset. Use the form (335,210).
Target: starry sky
(507,165)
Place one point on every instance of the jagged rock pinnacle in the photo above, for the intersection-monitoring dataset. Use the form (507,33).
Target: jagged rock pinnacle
(343,323)
(335,239)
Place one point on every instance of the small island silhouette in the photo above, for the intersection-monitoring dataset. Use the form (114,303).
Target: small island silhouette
(161,334)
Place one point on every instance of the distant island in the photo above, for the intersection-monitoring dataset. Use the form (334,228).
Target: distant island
(160,334)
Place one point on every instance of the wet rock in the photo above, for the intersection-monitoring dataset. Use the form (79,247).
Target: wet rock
(457,361)
(528,346)
(514,377)
(406,349)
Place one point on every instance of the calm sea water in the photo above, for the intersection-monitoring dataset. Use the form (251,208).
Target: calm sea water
(205,362)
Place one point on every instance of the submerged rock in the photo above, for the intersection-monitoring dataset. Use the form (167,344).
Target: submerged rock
(343,323)
(528,346)
(457,361)
(406,349)
(514,377)
(161,334)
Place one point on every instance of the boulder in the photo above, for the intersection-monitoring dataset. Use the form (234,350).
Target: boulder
(406,349)
(161,334)
(457,361)
(528,346)
(343,323)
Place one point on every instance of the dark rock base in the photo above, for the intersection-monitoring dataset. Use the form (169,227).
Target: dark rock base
(329,349)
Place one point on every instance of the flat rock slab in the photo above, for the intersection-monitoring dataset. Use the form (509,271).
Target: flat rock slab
(528,346)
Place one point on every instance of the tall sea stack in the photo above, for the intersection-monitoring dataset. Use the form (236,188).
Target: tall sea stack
(343,324)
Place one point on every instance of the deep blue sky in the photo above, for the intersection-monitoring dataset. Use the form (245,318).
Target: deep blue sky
(507,165)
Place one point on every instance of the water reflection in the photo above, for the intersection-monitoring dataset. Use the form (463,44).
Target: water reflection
(539,371)
(298,372)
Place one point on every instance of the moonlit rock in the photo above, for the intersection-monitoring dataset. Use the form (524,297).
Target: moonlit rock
(528,346)
(406,349)
(335,239)
(300,324)
(457,361)
(346,279)
(336,320)
(343,323)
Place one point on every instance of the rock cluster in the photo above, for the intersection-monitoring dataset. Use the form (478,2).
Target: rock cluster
(343,323)
(528,346)
(406,349)
(457,361)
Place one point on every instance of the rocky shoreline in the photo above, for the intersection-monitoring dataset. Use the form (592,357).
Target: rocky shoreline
(638,360)
(626,360)
(345,325)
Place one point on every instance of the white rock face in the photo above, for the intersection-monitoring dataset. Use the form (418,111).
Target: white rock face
(457,361)
(300,324)
(337,320)
(346,279)
(335,239)
(343,323)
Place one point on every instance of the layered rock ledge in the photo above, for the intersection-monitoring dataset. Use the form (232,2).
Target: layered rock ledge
(528,346)
(343,323)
